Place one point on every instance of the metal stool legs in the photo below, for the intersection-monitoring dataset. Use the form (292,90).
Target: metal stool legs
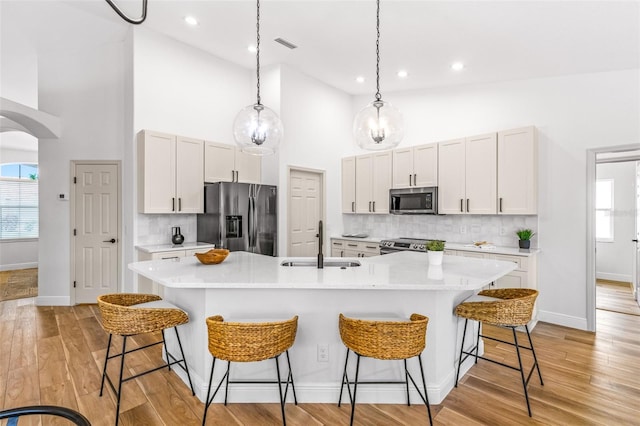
(352,396)
(520,368)
(225,378)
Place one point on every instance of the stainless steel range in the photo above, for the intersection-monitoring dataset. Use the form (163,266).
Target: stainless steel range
(402,244)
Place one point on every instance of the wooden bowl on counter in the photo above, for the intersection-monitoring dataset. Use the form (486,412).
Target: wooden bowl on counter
(213,256)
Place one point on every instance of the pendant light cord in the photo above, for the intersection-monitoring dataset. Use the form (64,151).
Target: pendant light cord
(137,21)
(258,49)
(378,95)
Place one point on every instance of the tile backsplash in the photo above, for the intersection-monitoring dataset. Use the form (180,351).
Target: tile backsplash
(497,229)
(156,228)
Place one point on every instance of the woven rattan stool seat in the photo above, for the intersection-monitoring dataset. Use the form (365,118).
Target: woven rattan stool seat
(504,307)
(249,342)
(128,314)
(384,339)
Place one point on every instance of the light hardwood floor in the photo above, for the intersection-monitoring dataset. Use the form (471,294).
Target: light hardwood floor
(616,296)
(53,355)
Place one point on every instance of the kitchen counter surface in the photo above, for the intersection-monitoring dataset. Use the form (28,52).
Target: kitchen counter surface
(397,271)
(366,239)
(513,251)
(159,248)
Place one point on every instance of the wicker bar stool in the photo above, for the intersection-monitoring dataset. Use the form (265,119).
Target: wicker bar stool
(128,314)
(384,340)
(505,307)
(250,342)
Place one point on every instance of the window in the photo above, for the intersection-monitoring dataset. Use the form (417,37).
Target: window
(604,210)
(18,201)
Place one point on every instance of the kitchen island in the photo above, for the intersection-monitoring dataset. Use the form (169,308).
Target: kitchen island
(248,286)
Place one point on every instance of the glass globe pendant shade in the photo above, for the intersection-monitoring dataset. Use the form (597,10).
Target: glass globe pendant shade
(257,130)
(378,126)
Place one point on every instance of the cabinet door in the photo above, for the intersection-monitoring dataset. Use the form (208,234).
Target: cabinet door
(451,177)
(349,185)
(364,184)
(156,172)
(403,168)
(381,182)
(514,279)
(249,167)
(425,165)
(337,248)
(219,162)
(518,171)
(481,174)
(189,176)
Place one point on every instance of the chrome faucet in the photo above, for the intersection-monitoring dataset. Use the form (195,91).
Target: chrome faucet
(320,256)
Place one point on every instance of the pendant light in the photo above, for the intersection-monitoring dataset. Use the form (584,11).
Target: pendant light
(257,129)
(379,125)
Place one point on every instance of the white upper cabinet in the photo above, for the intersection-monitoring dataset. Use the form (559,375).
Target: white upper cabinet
(467,175)
(349,185)
(373,181)
(415,166)
(518,171)
(226,163)
(170,174)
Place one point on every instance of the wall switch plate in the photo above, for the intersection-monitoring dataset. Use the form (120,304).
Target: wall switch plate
(323,353)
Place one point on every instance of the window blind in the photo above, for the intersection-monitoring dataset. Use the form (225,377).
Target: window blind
(18,208)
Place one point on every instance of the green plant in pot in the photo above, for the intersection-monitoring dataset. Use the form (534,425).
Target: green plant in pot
(524,236)
(435,251)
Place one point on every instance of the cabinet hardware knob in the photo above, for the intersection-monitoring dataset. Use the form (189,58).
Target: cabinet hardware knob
(374,206)
(461,202)
(415,179)
(180,204)
(500,204)
(173,204)
(409,179)
(353,206)
(467,205)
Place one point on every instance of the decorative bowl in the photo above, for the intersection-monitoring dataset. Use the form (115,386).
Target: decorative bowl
(213,256)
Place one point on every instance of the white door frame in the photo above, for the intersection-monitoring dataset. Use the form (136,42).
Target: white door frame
(323,202)
(591,226)
(72,207)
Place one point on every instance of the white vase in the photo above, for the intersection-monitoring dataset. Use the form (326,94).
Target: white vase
(435,272)
(435,257)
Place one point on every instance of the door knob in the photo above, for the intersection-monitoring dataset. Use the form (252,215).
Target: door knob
(112,241)
(635,241)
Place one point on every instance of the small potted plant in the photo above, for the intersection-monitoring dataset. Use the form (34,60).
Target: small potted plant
(524,236)
(435,251)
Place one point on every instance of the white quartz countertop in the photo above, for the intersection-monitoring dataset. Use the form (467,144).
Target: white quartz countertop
(397,271)
(513,251)
(159,248)
(365,239)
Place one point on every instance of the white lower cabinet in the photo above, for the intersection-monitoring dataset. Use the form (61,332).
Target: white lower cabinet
(147,286)
(524,276)
(353,248)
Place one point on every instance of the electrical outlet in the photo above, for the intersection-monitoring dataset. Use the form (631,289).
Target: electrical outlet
(323,353)
(463,229)
(503,230)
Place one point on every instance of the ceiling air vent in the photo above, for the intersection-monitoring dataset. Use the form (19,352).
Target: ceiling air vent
(285,43)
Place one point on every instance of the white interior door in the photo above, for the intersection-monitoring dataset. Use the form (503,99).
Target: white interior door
(97,231)
(305,211)
(636,258)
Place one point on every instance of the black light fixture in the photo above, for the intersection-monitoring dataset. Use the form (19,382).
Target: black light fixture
(137,21)
(379,125)
(257,129)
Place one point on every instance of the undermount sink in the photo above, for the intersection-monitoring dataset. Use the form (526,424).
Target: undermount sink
(326,263)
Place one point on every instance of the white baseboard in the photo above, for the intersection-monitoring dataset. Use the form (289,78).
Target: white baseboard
(53,301)
(17,266)
(614,277)
(562,319)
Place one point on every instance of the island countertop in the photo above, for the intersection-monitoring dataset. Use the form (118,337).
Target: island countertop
(397,271)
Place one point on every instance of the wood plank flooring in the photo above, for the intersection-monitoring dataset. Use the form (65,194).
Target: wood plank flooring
(616,296)
(53,355)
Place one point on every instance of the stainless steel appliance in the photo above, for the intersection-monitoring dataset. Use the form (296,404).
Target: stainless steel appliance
(240,217)
(401,244)
(414,200)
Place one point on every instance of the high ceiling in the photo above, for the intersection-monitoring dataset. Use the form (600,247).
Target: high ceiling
(497,40)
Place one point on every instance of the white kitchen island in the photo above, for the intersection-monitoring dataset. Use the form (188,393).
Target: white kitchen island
(250,286)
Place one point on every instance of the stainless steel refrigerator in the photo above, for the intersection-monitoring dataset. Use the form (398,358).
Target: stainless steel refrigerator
(240,217)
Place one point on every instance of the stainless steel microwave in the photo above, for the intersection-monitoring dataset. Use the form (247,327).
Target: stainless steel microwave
(414,200)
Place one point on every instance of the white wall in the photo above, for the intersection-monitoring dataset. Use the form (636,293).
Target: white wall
(614,260)
(317,134)
(8,155)
(85,89)
(572,113)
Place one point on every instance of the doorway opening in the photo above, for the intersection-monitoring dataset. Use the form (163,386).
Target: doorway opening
(305,209)
(613,218)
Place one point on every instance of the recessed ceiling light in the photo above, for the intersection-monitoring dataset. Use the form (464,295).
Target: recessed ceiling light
(252,49)
(191,20)
(457,66)
(360,79)
(403,74)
